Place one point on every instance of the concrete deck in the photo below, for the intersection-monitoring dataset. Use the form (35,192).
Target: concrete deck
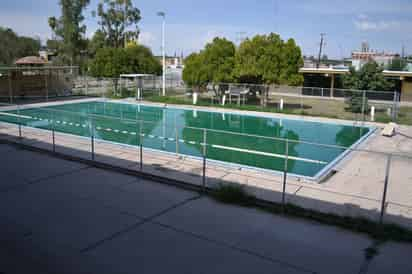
(60,217)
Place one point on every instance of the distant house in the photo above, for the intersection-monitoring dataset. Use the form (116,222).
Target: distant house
(31,61)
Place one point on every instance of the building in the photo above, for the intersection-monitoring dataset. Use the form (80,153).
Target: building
(365,55)
(173,62)
(330,78)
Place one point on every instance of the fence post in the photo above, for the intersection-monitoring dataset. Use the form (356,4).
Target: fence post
(385,189)
(10,87)
(87,84)
(204,160)
(92,136)
(363,105)
(19,122)
(285,173)
(141,144)
(394,106)
(53,134)
(177,140)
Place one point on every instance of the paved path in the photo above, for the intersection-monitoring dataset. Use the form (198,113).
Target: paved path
(58,216)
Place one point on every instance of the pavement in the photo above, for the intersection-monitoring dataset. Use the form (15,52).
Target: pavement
(58,216)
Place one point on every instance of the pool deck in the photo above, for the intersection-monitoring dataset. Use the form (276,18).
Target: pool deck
(65,217)
(355,190)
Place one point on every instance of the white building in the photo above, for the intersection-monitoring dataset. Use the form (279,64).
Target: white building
(365,55)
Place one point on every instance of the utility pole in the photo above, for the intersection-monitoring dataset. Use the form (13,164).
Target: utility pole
(322,36)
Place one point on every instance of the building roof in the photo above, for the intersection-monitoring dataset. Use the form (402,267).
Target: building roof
(324,70)
(31,60)
(345,71)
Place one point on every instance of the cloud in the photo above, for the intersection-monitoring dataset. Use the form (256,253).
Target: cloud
(368,25)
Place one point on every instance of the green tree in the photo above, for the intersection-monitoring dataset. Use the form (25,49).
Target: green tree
(398,64)
(69,31)
(13,46)
(194,73)
(369,77)
(214,64)
(97,42)
(115,19)
(111,62)
(267,59)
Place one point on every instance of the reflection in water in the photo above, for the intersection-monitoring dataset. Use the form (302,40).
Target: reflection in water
(242,149)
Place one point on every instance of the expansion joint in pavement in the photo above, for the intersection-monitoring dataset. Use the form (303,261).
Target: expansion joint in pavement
(138,224)
(236,248)
(40,180)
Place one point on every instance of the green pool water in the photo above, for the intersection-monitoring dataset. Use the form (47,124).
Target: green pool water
(119,123)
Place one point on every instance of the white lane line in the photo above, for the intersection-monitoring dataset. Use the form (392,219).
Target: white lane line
(133,133)
(151,136)
(15,115)
(125,132)
(108,129)
(192,142)
(269,154)
(170,139)
(181,141)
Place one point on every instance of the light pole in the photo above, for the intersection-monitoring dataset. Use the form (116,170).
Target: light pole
(163,15)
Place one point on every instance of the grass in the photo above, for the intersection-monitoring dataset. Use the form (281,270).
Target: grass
(314,107)
(232,194)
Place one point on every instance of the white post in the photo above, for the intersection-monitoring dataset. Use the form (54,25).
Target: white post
(194,98)
(373,113)
(281,104)
(224,100)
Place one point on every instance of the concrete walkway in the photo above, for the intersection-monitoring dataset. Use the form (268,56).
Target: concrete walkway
(58,216)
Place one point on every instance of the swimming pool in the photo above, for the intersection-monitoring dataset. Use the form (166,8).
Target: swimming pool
(246,140)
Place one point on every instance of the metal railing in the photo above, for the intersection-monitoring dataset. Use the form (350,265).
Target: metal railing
(145,131)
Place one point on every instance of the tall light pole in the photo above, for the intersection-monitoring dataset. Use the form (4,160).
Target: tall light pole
(124,22)
(163,15)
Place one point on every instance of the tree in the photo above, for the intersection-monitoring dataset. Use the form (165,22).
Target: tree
(369,77)
(398,64)
(214,64)
(194,73)
(97,42)
(266,59)
(111,62)
(13,46)
(115,18)
(69,30)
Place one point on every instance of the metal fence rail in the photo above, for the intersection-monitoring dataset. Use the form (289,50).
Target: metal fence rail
(383,173)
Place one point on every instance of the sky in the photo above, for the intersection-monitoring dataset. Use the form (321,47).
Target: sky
(190,24)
